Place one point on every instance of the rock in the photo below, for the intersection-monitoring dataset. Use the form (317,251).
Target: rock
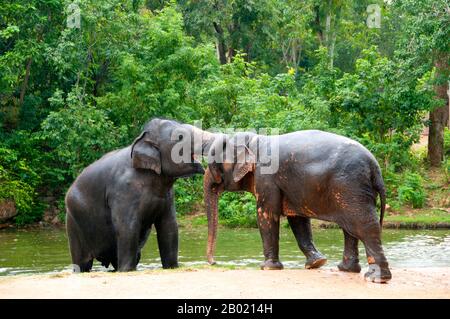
(49,199)
(50,214)
(56,221)
(7,210)
(47,218)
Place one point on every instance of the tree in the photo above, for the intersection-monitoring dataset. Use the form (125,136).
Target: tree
(425,46)
(27,29)
(292,34)
(235,25)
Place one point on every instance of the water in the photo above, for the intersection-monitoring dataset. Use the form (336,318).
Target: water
(46,251)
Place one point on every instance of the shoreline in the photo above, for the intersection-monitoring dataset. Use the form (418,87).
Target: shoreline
(211,283)
(400,225)
(390,222)
(387,225)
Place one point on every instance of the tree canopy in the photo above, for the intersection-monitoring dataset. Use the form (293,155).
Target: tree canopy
(68,94)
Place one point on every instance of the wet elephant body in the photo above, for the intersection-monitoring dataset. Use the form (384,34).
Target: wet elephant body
(320,175)
(113,204)
(326,176)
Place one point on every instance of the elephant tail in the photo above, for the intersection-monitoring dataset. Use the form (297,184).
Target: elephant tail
(382,193)
(378,184)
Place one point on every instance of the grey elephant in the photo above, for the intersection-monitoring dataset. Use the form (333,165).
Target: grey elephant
(114,202)
(320,175)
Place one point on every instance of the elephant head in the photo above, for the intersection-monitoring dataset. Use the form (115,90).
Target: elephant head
(202,139)
(166,147)
(230,165)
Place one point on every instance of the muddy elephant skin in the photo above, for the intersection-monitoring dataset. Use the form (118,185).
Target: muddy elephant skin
(114,202)
(320,175)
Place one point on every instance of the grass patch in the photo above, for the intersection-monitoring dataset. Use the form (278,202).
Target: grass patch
(403,218)
(423,216)
(245,221)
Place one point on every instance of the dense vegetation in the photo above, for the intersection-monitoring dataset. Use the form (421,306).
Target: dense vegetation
(69,94)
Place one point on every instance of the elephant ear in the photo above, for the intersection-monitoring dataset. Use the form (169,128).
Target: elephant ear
(245,160)
(145,154)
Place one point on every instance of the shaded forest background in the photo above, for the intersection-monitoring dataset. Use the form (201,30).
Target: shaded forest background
(68,94)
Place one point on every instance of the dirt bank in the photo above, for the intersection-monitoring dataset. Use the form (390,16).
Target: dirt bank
(221,283)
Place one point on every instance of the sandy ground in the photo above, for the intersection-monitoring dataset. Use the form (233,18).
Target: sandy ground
(222,283)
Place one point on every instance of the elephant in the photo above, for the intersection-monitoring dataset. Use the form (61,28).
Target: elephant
(214,185)
(114,202)
(320,175)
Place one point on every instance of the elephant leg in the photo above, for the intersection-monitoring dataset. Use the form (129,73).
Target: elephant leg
(350,260)
(167,234)
(269,211)
(138,259)
(127,250)
(301,227)
(368,230)
(378,266)
(127,234)
(81,258)
(115,263)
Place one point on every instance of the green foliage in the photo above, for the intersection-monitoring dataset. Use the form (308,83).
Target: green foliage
(372,105)
(447,141)
(67,96)
(237,209)
(411,191)
(79,134)
(188,195)
(446,169)
(18,182)
(153,75)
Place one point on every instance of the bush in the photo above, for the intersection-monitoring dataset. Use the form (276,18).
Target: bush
(412,191)
(447,141)
(446,168)
(188,194)
(18,183)
(237,209)
(77,136)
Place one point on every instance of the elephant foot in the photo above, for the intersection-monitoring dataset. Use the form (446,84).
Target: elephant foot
(82,267)
(271,265)
(126,269)
(170,266)
(350,265)
(317,260)
(378,274)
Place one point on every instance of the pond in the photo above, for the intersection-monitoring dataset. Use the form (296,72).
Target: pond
(46,250)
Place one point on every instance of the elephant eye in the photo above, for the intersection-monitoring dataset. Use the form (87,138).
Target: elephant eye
(180,137)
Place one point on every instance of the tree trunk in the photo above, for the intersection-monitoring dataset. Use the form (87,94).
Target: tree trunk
(330,32)
(231,54)
(317,24)
(25,81)
(99,78)
(439,117)
(221,46)
(331,50)
(328,25)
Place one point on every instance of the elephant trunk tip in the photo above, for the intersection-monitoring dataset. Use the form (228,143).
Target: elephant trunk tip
(211,261)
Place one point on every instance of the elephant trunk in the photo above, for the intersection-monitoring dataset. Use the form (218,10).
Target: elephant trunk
(202,139)
(211,197)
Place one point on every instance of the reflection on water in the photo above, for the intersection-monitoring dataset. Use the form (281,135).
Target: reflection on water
(38,251)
